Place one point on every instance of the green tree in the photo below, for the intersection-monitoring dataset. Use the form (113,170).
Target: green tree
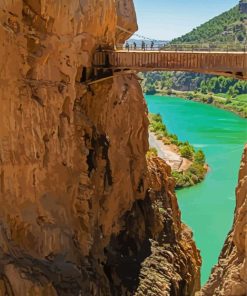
(232,92)
(150,90)
(186,152)
(200,157)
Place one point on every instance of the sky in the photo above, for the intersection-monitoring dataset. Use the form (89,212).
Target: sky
(167,19)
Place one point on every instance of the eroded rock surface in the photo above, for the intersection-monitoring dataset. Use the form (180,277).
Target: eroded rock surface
(78,200)
(154,253)
(229,276)
(173,267)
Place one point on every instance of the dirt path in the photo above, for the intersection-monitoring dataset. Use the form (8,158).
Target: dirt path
(166,152)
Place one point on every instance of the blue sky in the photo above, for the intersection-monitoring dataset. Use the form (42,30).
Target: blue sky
(166,19)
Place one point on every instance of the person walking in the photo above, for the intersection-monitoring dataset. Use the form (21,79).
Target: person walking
(143,45)
(152,45)
(134,45)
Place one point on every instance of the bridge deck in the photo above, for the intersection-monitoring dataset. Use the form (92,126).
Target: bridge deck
(232,64)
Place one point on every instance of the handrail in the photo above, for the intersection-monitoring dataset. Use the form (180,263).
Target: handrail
(233,64)
(205,47)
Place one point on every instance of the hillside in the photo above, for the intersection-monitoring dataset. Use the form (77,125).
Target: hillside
(230,26)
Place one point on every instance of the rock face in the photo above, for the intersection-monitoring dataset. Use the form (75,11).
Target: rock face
(126,21)
(154,245)
(78,201)
(229,276)
(173,267)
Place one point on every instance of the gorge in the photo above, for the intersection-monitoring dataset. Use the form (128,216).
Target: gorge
(83,212)
(208,207)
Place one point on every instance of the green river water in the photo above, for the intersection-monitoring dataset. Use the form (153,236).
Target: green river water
(208,207)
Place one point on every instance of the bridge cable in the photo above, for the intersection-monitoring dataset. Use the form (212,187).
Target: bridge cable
(136,34)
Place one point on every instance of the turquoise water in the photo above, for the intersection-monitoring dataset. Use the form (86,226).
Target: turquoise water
(208,207)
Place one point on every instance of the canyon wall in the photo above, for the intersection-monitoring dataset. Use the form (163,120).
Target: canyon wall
(82,212)
(229,276)
(173,267)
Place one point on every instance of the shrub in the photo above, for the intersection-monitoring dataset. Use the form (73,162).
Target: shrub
(166,141)
(158,127)
(190,96)
(152,152)
(197,170)
(186,152)
(200,157)
(210,100)
(156,117)
(150,90)
(174,139)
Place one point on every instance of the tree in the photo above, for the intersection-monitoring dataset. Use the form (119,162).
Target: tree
(186,152)
(150,90)
(200,157)
(203,87)
(232,92)
(240,37)
(210,100)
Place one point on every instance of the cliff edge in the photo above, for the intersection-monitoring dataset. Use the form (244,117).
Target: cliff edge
(82,212)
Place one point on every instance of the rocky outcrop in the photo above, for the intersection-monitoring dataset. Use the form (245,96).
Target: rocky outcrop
(126,21)
(229,276)
(173,267)
(154,253)
(73,172)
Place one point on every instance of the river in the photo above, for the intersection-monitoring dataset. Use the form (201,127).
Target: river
(207,208)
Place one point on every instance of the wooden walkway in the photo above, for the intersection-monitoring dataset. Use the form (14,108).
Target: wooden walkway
(233,64)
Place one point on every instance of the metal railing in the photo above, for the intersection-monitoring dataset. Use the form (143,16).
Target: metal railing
(200,47)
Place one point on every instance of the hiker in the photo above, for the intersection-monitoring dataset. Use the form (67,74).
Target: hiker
(143,45)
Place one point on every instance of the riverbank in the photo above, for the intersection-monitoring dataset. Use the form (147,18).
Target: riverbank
(169,153)
(237,105)
(188,165)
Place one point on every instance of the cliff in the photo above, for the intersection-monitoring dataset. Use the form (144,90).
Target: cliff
(79,203)
(229,276)
(173,266)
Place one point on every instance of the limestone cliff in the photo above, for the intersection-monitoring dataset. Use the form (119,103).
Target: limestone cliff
(173,267)
(229,276)
(78,201)
(154,253)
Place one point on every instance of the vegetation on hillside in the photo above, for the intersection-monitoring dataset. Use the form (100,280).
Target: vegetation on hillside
(229,27)
(197,171)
